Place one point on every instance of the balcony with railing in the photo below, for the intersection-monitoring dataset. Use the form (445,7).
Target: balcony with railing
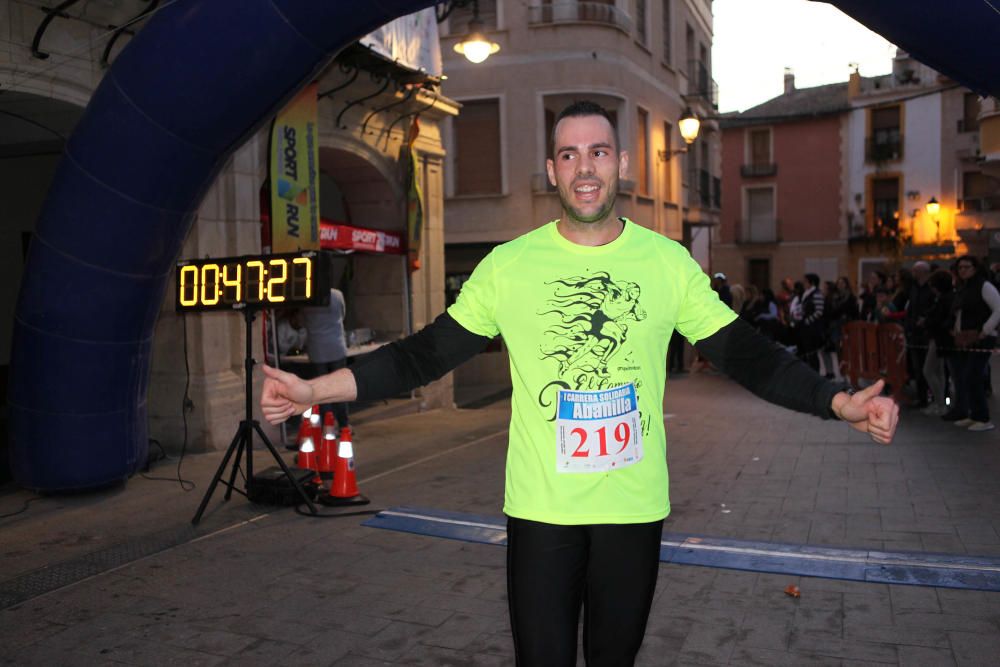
(570,11)
(979,204)
(758,170)
(967,125)
(758,230)
(876,237)
(701,85)
(883,150)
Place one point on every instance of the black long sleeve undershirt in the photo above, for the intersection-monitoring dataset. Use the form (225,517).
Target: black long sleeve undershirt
(768,370)
(736,349)
(416,360)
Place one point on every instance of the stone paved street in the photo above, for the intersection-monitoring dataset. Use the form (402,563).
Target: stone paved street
(258,585)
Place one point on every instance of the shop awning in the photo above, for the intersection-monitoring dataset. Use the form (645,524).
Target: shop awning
(340,236)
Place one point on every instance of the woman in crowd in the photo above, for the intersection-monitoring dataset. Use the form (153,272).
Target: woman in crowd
(829,350)
(938,323)
(976,310)
(739,295)
(750,303)
(899,291)
(874,280)
(846,307)
(766,316)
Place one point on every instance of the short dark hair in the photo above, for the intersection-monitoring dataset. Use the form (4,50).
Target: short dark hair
(578,109)
(813,279)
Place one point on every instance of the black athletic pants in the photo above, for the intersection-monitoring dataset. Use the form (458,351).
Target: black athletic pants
(609,569)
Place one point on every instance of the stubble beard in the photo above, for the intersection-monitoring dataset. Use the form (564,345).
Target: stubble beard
(602,214)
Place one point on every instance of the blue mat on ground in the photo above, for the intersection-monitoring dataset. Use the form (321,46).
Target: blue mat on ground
(916,568)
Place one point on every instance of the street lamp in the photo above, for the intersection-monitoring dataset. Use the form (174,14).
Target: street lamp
(476,47)
(689,125)
(933,208)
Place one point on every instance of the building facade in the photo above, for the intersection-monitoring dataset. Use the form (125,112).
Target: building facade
(914,137)
(782,184)
(836,179)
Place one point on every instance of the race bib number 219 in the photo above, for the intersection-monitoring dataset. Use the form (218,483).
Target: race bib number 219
(598,431)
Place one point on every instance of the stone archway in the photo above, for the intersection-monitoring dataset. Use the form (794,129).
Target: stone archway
(378,294)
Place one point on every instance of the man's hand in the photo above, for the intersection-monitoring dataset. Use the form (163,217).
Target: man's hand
(284,395)
(868,412)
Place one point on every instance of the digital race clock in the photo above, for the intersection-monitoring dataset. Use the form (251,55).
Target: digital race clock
(253,281)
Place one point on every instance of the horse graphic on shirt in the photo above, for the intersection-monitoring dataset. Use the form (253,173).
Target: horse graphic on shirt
(593,314)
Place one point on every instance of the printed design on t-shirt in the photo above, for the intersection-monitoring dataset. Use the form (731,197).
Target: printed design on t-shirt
(588,322)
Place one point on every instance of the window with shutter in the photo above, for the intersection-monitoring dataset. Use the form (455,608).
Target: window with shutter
(476,133)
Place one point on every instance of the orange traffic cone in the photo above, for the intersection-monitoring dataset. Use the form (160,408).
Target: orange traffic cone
(315,421)
(305,429)
(344,488)
(307,458)
(327,455)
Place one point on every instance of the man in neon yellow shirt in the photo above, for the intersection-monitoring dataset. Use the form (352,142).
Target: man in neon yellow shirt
(586,306)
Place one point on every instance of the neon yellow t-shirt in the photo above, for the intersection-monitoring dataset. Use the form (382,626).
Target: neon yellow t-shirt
(579,321)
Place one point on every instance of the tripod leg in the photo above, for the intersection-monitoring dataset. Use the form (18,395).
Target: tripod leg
(237,440)
(288,473)
(245,434)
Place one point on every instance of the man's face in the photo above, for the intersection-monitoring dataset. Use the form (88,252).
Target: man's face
(586,167)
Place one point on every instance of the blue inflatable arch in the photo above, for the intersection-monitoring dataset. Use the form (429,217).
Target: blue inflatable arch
(191,87)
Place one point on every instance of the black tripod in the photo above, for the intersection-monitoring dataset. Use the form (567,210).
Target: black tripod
(243,441)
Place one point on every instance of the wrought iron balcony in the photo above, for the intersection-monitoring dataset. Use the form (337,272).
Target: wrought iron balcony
(967,126)
(757,170)
(701,85)
(883,151)
(569,11)
(979,204)
(757,231)
(705,187)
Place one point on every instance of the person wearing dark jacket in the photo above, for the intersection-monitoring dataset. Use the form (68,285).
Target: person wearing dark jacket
(938,323)
(976,311)
(841,308)
(919,301)
(812,332)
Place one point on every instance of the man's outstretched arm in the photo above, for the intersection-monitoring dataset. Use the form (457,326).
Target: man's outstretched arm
(394,368)
(772,373)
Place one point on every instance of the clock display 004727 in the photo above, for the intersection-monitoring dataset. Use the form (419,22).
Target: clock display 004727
(252,281)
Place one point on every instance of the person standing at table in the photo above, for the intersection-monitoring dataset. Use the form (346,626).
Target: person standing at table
(326,345)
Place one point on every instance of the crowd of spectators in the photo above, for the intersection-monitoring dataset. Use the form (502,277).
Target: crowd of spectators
(949,314)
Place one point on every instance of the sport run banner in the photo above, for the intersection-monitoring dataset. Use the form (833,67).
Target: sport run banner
(335,236)
(295,175)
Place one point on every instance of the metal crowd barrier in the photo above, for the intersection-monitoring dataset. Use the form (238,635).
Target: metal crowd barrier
(872,351)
